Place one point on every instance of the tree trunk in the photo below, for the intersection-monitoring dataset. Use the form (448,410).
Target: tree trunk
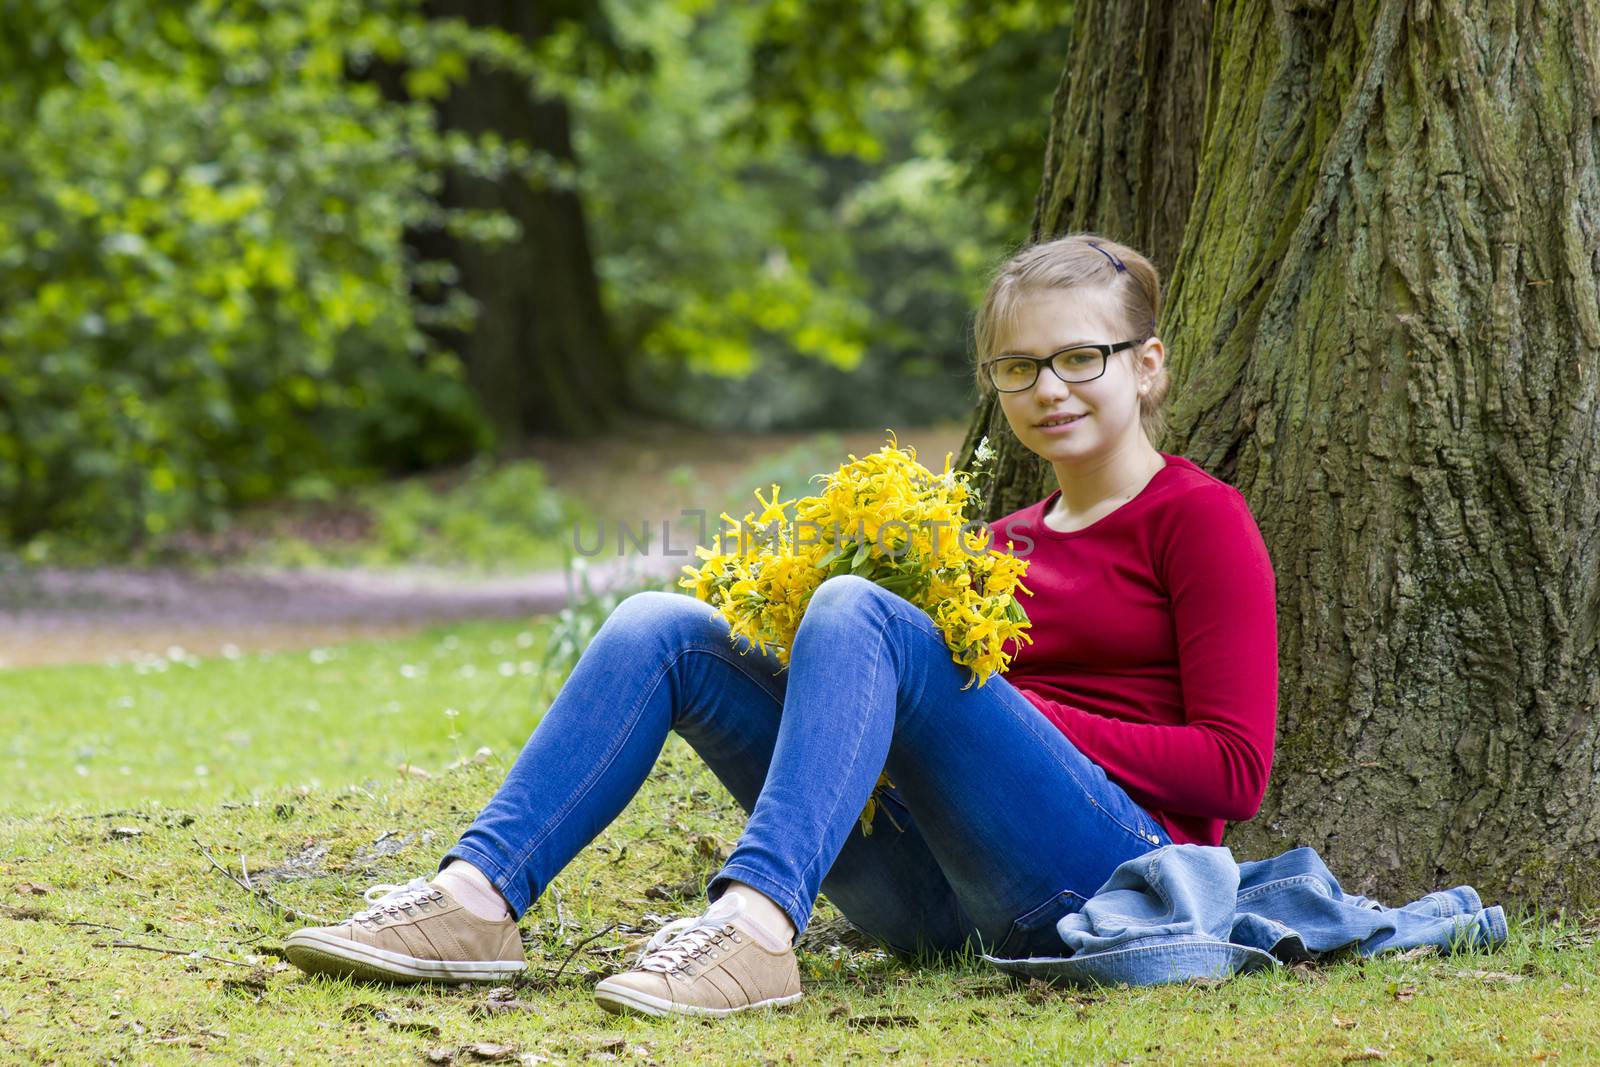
(1384,328)
(541,357)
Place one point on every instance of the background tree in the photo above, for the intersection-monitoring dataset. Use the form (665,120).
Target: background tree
(540,352)
(794,204)
(1383,325)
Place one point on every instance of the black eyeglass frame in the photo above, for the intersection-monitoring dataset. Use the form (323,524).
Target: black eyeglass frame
(1106,352)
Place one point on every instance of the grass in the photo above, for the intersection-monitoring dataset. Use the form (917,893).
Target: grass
(121,940)
(191,731)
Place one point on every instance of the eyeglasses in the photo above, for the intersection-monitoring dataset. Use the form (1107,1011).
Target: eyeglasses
(1080,363)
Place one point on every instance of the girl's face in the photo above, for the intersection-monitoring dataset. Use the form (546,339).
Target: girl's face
(1048,321)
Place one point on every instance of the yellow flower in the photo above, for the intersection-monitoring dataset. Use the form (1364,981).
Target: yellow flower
(887,518)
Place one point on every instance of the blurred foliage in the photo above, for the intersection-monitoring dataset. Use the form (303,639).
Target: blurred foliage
(207,295)
(978,72)
(795,204)
(206,286)
(484,517)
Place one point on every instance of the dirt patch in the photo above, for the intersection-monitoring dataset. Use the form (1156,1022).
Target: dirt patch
(68,616)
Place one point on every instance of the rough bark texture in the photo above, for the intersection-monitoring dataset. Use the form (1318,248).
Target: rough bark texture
(1384,328)
(541,357)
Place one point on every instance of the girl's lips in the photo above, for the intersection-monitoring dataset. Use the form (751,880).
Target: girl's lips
(1063,427)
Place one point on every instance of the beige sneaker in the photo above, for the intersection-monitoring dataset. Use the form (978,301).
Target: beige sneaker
(415,932)
(707,964)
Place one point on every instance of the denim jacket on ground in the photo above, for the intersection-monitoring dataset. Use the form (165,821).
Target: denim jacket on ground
(1190,911)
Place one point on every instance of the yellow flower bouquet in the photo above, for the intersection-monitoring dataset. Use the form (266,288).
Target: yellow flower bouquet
(890,520)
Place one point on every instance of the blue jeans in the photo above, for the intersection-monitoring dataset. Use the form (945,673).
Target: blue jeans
(1004,825)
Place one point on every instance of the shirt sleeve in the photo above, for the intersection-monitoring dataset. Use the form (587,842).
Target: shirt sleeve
(1217,573)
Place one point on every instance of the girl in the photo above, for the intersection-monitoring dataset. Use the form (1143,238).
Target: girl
(1142,714)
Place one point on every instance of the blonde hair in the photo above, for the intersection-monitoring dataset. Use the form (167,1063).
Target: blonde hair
(1065,263)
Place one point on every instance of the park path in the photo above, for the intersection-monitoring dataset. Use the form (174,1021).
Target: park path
(53,616)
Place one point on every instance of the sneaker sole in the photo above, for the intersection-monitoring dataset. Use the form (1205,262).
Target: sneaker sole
(621,1001)
(316,954)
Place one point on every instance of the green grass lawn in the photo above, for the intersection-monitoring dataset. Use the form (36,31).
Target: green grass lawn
(121,940)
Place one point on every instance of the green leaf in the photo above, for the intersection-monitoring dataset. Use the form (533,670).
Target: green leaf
(863,553)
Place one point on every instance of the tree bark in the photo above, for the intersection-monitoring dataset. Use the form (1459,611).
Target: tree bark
(541,357)
(1384,328)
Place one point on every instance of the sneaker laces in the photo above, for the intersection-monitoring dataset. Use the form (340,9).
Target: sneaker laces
(678,944)
(390,901)
(665,934)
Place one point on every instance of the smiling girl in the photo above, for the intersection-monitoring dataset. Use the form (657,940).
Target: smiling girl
(1141,714)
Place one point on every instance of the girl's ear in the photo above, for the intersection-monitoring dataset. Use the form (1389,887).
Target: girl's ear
(1152,355)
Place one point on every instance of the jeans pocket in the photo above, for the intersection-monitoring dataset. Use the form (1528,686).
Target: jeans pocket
(1034,932)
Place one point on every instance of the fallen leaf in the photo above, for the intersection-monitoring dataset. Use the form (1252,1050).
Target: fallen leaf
(489,1051)
(1500,977)
(498,1006)
(413,771)
(1417,953)
(1364,1054)
(33,889)
(126,831)
(1344,1024)
(441,1055)
(1402,993)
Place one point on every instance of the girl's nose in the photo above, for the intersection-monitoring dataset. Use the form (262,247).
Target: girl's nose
(1050,389)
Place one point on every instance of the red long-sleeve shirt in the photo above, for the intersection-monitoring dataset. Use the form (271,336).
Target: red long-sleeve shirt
(1155,645)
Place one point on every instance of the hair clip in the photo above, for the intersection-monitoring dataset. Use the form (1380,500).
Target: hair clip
(1115,262)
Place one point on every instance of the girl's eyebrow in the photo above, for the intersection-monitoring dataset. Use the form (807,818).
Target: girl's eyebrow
(1053,351)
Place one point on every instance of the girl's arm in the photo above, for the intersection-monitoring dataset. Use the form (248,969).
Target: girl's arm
(1215,567)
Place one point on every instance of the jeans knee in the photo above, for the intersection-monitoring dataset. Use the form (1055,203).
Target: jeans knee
(846,592)
(655,615)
